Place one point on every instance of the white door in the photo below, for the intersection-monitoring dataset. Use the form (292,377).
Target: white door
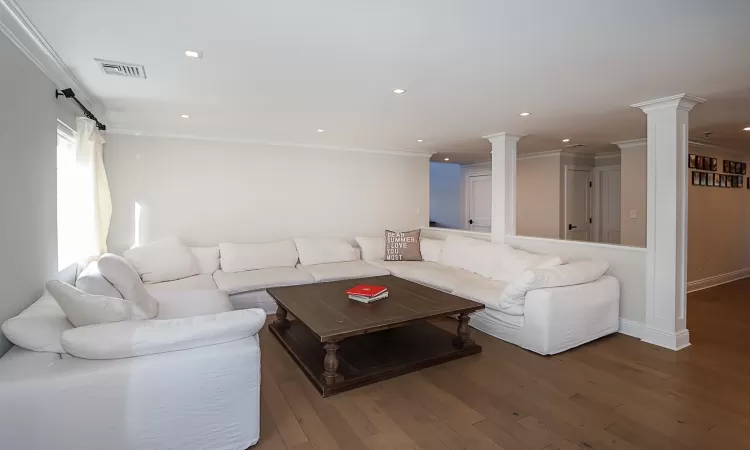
(577,204)
(609,206)
(480,203)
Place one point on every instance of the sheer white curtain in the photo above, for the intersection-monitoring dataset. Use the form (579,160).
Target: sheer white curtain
(97,208)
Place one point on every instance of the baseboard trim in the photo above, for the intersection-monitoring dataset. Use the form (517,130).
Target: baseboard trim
(705,283)
(673,341)
(631,328)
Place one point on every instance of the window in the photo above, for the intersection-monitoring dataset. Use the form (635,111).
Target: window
(75,196)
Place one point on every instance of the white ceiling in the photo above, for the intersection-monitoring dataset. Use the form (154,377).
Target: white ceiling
(280,70)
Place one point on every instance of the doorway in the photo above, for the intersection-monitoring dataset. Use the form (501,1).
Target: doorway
(607,204)
(480,203)
(578,217)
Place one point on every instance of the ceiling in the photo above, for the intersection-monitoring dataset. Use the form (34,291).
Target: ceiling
(280,70)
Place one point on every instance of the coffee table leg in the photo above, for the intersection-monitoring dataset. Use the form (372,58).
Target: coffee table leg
(281,314)
(463,331)
(331,362)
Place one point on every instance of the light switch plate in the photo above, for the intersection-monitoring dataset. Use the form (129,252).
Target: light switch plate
(632,214)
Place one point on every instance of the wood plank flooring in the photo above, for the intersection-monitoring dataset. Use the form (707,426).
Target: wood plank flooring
(615,393)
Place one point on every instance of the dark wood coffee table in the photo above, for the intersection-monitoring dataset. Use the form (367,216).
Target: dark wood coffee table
(342,344)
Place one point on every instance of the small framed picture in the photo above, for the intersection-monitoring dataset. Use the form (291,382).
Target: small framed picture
(714,164)
(740,179)
(699,162)
(724,180)
(732,167)
(691,161)
(696,178)
(709,179)
(717,180)
(743,168)
(704,179)
(748,183)
(726,166)
(734,181)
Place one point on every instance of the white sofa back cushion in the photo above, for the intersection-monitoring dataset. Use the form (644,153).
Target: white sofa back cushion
(124,277)
(138,338)
(207,259)
(314,251)
(514,262)
(91,281)
(473,255)
(241,257)
(164,260)
(373,248)
(85,309)
(431,249)
(39,327)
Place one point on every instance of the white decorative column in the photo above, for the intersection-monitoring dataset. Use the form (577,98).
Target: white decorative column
(666,239)
(504,150)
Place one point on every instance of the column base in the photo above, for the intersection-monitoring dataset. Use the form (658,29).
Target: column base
(673,341)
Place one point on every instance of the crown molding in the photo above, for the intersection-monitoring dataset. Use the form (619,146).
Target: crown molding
(713,146)
(685,102)
(15,24)
(417,153)
(503,136)
(543,154)
(607,155)
(624,145)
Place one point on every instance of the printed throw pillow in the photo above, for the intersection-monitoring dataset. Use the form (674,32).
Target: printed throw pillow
(402,246)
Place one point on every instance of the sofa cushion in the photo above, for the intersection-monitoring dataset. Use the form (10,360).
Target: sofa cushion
(482,290)
(243,257)
(91,281)
(577,272)
(85,309)
(38,327)
(253,280)
(138,338)
(514,262)
(473,255)
(207,259)
(431,249)
(124,277)
(199,302)
(185,284)
(324,250)
(430,274)
(163,260)
(373,248)
(344,271)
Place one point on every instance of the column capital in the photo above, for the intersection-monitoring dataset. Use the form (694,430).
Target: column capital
(632,143)
(684,102)
(498,137)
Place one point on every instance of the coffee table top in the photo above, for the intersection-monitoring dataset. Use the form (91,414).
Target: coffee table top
(331,315)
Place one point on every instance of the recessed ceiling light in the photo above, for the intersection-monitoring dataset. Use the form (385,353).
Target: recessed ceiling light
(320,130)
(399,91)
(184,116)
(524,114)
(447,159)
(566,140)
(746,129)
(420,140)
(193,54)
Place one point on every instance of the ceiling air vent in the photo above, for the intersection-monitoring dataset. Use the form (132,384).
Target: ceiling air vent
(121,69)
(575,146)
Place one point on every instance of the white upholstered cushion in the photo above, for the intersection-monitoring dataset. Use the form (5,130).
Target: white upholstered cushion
(482,290)
(373,248)
(431,249)
(344,271)
(163,260)
(184,284)
(124,277)
(252,280)
(324,250)
(39,327)
(91,281)
(137,338)
(473,255)
(207,259)
(430,274)
(85,309)
(242,257)
(514,262)
(180,304)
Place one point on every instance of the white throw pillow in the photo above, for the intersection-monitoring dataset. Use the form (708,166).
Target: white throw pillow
(241,257)
(373,248)
(91,281)
(473,255)
(514,262)
(207,258)
(431,249)
(138,338)
(84,309)
(124,277)
(39,327)
(324,250)
(163,260)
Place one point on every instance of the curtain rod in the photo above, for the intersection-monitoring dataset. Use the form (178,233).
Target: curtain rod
(68,93)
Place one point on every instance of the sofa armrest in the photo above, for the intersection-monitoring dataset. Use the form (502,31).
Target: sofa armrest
(146,337)
(573,314)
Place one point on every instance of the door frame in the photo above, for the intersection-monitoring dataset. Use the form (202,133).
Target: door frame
(597,212)
(570,167)
(467,193)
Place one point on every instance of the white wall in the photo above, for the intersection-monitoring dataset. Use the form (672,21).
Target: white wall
(538,196)
(445,195)
(210,192)
(28,186)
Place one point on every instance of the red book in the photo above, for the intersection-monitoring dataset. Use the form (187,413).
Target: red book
(366,290)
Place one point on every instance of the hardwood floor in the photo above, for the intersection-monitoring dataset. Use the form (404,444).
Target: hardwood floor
(615,393)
